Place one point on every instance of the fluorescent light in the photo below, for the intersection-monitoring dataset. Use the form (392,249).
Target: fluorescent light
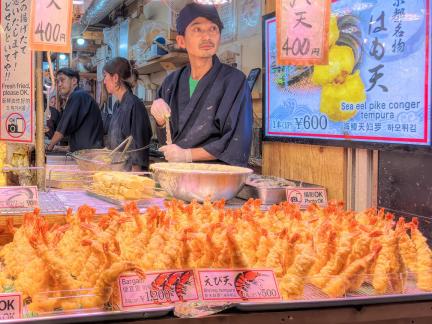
(78,2)
(80,41)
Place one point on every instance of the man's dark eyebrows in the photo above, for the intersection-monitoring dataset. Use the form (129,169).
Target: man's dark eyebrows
(201,23)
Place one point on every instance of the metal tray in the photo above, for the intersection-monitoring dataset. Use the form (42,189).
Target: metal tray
(146,313)
(142,203)
(268,194)
(314,298)
(324,303)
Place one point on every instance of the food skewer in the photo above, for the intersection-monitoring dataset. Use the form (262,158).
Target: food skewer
(168,130)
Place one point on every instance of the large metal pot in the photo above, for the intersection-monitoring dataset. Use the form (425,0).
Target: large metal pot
(199,181)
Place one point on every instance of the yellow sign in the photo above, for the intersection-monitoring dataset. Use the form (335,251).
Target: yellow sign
(51,25)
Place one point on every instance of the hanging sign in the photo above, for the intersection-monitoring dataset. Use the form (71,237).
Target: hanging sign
(302,29)
(16,78)
(51,25)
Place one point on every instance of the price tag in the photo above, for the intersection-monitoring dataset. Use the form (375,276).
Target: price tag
(306,196)
(18,197)
(302,31)
(157,288)
(10,306)
(243,284)
(51,25)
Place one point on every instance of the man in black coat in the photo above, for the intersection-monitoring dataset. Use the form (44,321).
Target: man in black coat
(209,103)
(81,120)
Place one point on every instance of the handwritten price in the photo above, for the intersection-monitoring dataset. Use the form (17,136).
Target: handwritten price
(47,32)
(297,47)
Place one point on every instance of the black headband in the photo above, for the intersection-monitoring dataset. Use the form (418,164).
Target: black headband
(194,10)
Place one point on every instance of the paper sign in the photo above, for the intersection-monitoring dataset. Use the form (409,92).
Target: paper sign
(306,196)
(16,78)
(243,284)
(18,197)
(157,288)
(50,25)
(10,306)
(302,31)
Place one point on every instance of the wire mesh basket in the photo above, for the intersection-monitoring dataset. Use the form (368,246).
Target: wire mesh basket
(100,160)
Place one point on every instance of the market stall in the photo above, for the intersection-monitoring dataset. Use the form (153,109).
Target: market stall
(81,240)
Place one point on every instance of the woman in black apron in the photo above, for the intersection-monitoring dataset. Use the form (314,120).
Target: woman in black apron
(130,117)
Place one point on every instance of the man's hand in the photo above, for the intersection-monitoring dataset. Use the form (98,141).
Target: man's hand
(57,137)
(174,153)
(160,110)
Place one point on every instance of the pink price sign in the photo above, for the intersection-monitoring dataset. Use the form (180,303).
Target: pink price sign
(18,197)
(302,31)
(157,289)
(10,306)
(235,285)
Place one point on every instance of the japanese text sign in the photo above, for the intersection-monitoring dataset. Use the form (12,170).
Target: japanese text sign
(16,95)
(240,284)
(302,31)
(50,25)
(18,197)
(304,197)
(157,288)
(10,306)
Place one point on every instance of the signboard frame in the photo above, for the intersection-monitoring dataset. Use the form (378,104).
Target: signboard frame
(342,141)
(31,121)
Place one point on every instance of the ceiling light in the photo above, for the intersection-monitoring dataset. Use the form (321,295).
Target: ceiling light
(62,57)
(78,2)
(80,41)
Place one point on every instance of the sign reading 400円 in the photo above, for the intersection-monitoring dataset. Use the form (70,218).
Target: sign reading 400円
(375,87)
(50,26)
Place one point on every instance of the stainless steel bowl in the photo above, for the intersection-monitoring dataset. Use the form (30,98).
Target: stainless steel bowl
(199,181)
(99,160)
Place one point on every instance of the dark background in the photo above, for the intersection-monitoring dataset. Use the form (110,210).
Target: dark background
(405,185)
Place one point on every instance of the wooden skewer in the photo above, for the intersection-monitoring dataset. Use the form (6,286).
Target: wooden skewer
(168,130)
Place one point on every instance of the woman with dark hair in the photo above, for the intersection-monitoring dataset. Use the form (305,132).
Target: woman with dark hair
(130,118)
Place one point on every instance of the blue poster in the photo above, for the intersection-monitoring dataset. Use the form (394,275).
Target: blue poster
(376,86)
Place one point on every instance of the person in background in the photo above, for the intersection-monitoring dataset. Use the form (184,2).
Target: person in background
(130,117)
(209,103)
(55,116)
(81,120)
